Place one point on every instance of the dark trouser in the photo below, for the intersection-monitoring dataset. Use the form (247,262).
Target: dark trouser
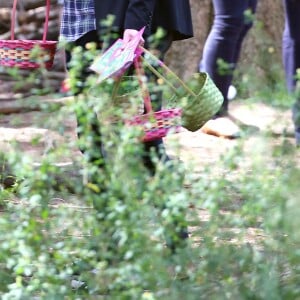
(93,125)
(224,42)
(92,36)
(291,53)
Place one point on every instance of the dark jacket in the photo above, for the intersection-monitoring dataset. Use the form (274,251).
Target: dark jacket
(172,15)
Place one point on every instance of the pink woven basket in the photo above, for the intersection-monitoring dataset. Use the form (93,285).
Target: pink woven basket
(27,54)
(155,125)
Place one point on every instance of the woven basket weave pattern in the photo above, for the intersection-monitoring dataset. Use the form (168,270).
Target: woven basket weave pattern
(19,53)
(198,97)
(196,110)
(27,54)
(155,125)
(158,124)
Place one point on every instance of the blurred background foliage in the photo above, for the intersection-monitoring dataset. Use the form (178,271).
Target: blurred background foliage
(91,233)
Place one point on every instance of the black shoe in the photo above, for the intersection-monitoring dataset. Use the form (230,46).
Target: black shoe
(179,241)
(159,149)
(8,181)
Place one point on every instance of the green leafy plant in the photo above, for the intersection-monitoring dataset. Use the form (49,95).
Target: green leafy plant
(112,231)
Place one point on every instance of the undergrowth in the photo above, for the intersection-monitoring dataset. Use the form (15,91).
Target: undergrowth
(107,232)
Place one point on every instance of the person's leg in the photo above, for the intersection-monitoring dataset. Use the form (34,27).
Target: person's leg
(220,55)
(178,237)
(248,23)
(156,99)
(224,42)
(231,94)
(81,114)
(86,119)
(291,55)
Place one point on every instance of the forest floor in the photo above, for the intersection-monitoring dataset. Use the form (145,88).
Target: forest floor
(271,124)
(34,133)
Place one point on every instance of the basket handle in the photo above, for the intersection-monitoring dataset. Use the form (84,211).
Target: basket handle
(167,70)
(145,92)
(13,20)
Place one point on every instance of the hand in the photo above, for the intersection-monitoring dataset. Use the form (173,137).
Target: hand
(129,34)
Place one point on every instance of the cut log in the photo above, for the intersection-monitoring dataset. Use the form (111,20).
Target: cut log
(11,107)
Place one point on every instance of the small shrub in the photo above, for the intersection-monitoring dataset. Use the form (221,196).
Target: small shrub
(108,231)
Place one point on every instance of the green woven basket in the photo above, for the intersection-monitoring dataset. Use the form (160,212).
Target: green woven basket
(202,105)
(198,97)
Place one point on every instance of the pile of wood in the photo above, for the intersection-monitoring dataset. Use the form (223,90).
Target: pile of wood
(29,25)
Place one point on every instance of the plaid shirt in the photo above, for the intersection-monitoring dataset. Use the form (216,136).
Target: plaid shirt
(78,18)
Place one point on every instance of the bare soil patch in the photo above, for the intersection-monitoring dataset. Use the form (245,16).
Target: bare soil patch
(197,148)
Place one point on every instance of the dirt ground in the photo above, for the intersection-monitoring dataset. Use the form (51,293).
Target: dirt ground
(196,149)
(271,126)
